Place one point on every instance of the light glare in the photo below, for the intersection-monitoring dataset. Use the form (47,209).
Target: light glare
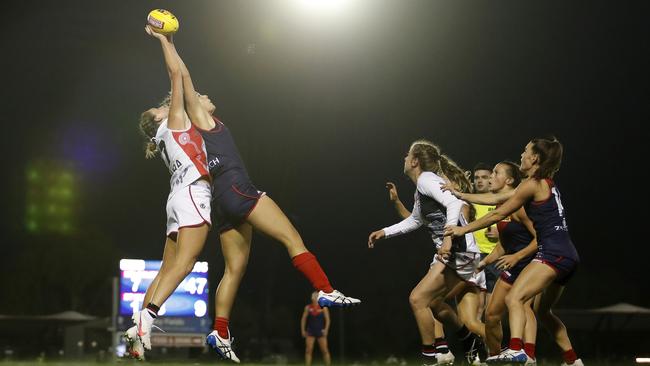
(320,6)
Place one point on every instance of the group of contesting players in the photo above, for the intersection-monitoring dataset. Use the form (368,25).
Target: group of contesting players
(535,252)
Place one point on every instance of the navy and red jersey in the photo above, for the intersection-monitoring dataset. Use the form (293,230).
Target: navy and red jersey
(224,162)
(514,235)
(549,220)
(315,320)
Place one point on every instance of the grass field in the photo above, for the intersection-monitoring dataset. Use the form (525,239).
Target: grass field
(160,362)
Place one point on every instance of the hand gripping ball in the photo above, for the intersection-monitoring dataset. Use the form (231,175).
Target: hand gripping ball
(162,21)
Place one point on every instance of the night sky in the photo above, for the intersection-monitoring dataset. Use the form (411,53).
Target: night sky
(323,107)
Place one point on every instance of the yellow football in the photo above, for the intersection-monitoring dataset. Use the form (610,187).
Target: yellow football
(162,21)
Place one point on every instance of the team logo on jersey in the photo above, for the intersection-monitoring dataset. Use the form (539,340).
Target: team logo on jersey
(213,163)
(202,206)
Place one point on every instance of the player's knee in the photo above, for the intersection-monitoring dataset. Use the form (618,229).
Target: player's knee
(513,299)
(236,268)
(291,238)
(416,300)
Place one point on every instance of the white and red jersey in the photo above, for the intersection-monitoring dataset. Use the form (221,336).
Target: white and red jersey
(183,152)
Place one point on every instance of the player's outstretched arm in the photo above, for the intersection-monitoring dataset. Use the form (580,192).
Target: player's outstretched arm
(198,115)
(495,254)
(176,118)
(522,194)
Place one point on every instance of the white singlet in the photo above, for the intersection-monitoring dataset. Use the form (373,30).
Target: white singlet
(183,152)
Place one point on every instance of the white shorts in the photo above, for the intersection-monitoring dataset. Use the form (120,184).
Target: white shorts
(478,280)
(464,264)
(188,207)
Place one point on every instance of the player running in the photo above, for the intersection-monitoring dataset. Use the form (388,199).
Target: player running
(456,259)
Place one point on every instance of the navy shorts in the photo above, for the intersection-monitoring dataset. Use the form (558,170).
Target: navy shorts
(510,275)
(563,266)
(313,332)
(232,205)
(491,274)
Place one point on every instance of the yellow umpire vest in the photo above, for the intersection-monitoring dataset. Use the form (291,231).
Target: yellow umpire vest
(484,244)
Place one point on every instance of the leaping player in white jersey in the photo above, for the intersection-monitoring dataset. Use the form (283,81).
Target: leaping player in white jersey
(454,262)
(182,149)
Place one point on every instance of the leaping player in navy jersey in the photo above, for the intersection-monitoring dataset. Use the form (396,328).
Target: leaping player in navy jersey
(556,260)
(239,208)
(170,134)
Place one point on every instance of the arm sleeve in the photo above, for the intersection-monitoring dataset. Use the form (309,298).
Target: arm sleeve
(431,188)
(407,225)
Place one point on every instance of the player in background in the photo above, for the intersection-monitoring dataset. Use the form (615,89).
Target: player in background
(314,326)
(487,238)
(171,135)
(239,208)
(455,261)
(516,248)
(556,260)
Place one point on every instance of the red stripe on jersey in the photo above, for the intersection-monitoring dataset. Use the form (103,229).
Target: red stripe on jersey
(192,144)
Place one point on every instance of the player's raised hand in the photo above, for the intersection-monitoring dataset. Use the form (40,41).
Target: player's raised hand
(450,187)
(392,191)
(374,237)
(154,34)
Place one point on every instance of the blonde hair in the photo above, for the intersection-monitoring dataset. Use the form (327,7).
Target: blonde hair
(430,159)
(148,128)
(428,155)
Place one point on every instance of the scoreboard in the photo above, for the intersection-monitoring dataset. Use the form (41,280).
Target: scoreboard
(189,300)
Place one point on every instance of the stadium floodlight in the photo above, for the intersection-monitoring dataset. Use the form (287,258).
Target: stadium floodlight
(324,6)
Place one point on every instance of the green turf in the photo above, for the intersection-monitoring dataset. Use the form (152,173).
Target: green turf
(223,363)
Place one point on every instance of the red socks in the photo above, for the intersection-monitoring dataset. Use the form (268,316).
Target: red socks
(308,265)
(569,356)
(529,348)
(516,344)
(221,326)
